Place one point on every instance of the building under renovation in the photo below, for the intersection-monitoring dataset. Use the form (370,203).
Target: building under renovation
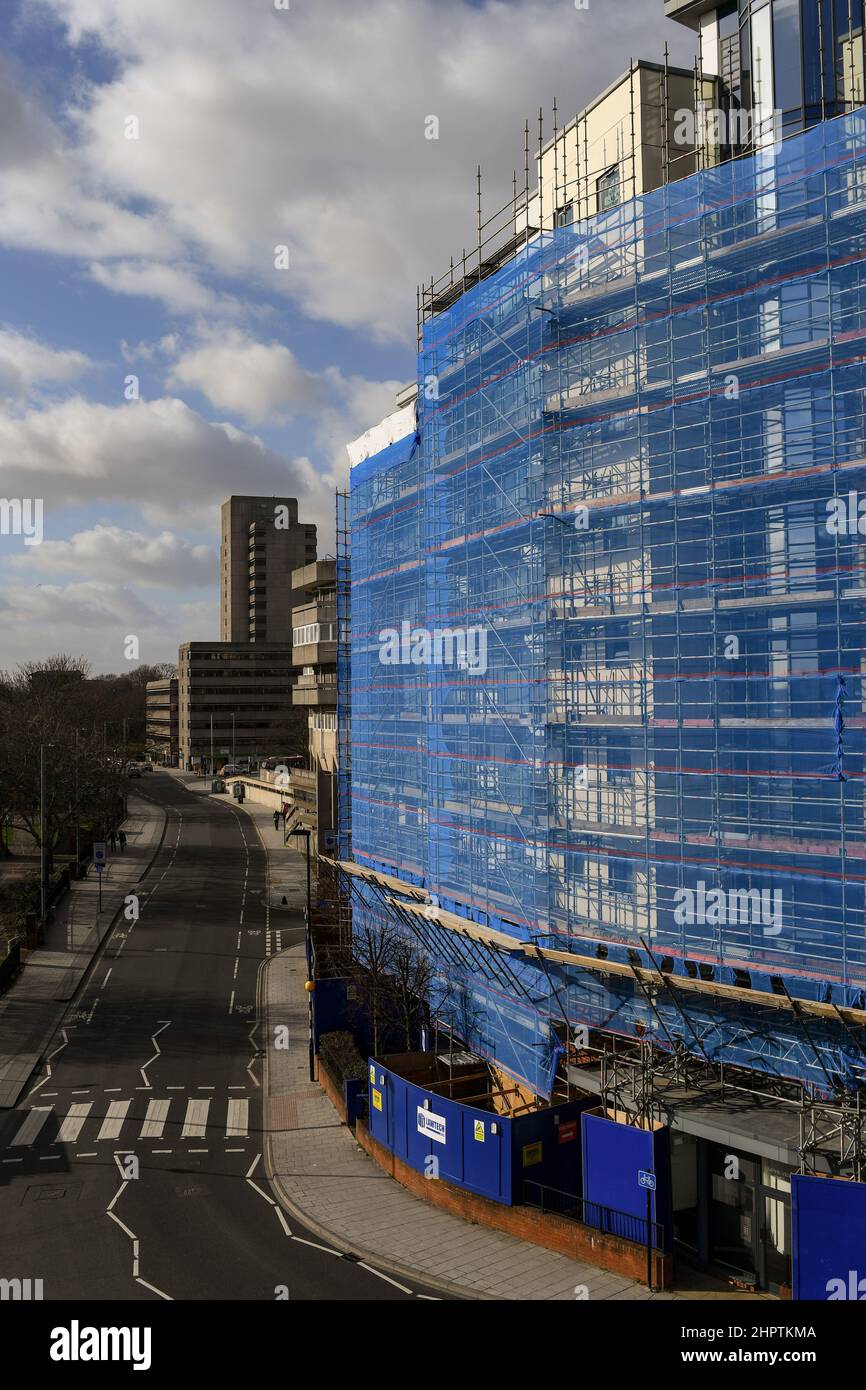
(603,661)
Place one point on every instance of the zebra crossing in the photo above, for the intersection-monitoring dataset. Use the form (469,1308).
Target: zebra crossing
(84,1122)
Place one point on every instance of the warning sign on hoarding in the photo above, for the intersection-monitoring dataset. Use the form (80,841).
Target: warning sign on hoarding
(377,1100)
(532,1154)
(479,1131)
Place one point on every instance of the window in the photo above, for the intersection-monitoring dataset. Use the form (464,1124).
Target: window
(565,216)
(313,632)
(620,876)
(607,189)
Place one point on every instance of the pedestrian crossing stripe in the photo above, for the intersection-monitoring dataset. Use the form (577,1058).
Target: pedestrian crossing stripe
(80,1117)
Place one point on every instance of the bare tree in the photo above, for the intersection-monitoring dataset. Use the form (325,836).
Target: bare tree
(411,973)
(373,951)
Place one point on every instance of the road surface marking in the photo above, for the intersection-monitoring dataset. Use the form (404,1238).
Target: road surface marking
(74,1122)
(13,1160)
(153,1289)
(113,1122)
(154,1120)
(93,1155)
(316,1246)
(50,1158)
(164,1023)
(195,1120)
(105,981)
(48,1072)
(232,1002)
(237,1126)
(387,1279)
(235,975)
(35,1120)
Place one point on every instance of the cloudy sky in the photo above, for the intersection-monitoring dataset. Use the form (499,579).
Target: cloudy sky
(253,126)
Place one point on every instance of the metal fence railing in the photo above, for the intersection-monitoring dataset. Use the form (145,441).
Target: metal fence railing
(607,1220)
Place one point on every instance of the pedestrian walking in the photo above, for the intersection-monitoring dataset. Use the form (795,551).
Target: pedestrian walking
(276,820)
(112,841)
(122,841)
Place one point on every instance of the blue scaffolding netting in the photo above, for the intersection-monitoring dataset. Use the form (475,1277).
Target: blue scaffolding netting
(607,620)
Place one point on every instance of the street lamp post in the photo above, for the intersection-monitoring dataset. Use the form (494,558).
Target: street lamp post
(233,738)
(303,830)
(42,832)
(211,745)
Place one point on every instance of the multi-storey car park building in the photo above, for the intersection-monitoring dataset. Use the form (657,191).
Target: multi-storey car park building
(606,633)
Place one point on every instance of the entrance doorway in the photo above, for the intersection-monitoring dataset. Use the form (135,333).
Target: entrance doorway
(749,1216)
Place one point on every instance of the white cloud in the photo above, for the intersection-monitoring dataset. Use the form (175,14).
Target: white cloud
(25,362)
(113,554)
(93,620)
(158,454)
(265,383)
(168,345)
(258,381)
(306,126)
(178,289)
(52,197)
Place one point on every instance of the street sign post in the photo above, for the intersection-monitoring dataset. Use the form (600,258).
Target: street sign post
(99,857)
(647,1180)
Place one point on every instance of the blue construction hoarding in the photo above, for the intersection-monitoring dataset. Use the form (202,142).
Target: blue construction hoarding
(480,1150)
(618,1162)
(828,1231)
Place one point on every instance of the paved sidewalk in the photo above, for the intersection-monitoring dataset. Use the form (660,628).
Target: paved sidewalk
(34,1006)
(326,1180)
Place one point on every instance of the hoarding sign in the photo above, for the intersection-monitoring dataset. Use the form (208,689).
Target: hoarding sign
(432,1125)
